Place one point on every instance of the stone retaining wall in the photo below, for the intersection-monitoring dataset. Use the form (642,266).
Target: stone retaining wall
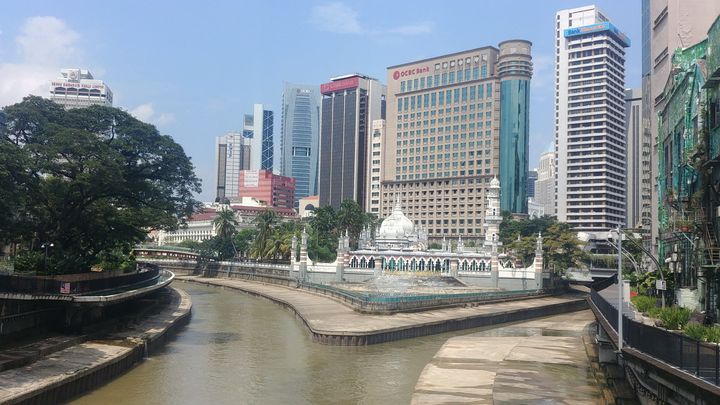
(150,335)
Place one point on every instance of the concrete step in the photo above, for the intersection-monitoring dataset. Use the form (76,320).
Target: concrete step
(29,353)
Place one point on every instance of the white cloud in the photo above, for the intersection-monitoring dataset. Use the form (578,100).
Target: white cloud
(336,17)
(414,29)
(44,45)
(342,19)
(46,40)
(146,113)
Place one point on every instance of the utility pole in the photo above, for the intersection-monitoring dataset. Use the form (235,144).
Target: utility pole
(620,291)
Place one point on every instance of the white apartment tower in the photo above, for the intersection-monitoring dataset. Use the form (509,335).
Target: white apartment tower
(589,120)
(375,167)
(545,183)
(77,88)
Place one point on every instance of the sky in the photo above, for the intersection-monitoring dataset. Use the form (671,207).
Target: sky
(194,68)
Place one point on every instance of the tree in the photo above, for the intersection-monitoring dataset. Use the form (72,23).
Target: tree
(244,239)
(561,247)
(225,224)
(350,218)
(90,180)
(264,223)
(323,234)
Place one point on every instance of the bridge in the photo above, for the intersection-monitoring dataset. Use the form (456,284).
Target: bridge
(165,252)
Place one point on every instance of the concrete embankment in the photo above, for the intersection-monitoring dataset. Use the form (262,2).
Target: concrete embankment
(71,371)
(330,322)
(540,361)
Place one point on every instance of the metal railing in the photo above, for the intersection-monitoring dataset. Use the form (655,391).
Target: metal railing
(690,355)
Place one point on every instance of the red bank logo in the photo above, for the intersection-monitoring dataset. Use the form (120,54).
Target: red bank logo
(410,72)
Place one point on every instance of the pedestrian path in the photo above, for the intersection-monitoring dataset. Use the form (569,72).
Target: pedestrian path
(540,361)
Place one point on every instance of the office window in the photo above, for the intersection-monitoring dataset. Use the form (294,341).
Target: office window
(402,86)
(426,98)
(422,82)
(441,97)
(452,77)
(464,94)
(456,95)
(444,79)
(475,73)
(436,80)
(433,99)
(415,84)
(481,91)
(483,71)
(429,81)
(489,89)
(467,74)
(472,94)
(448,97)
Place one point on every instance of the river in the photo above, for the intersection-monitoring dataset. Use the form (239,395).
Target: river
(242,349)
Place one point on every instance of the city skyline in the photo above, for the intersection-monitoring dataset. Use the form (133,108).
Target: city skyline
(169,86)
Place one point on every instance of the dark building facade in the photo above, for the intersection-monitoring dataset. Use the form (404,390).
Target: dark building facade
(349,105)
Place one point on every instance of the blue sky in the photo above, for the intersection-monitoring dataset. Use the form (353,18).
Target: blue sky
(193,69)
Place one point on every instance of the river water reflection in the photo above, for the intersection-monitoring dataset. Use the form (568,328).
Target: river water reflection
(242,349)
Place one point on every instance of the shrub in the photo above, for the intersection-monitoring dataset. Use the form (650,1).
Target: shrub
(643,303)
(712,334)
(703,333)
(29,262)
(695,330)
(674,318)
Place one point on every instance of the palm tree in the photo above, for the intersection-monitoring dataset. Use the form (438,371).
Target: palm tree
(225,224)
(264,223)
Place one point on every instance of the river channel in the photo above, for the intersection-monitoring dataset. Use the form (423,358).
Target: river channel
(242,349)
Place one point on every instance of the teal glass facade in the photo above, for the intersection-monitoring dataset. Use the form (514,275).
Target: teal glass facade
(514,144)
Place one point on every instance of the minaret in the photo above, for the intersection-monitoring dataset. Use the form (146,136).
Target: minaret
(492,227)
(493,216)
(303,255)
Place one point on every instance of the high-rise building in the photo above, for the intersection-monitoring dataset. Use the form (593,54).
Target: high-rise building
(531,179)
(299,142)
(590,120)
(545,183)
(514,71)
(666,26)
(77,88)
(349,106)
(375,167)
(265,186)
(633,157)
(233,155)
(443,144)
(258,127)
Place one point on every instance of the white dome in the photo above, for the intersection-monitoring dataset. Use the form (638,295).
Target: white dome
(397,225)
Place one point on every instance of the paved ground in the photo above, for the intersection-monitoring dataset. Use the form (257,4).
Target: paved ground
(540,361)
(327,316)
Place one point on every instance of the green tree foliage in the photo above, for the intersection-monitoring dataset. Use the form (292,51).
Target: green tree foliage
(243,240)
(225,224)
(561,247)
(264,223)
(89,180)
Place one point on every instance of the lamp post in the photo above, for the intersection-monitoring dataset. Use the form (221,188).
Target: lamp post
(620,291)
(46,246)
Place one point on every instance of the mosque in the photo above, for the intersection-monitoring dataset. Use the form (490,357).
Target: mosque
(398,246)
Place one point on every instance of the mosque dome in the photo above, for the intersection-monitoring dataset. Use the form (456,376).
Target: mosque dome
(397,225)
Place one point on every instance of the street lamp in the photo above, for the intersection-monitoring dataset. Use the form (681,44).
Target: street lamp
(46,246)
(620,291)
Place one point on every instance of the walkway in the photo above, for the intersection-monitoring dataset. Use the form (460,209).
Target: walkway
(61,368)
(334,323)
(541,361)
